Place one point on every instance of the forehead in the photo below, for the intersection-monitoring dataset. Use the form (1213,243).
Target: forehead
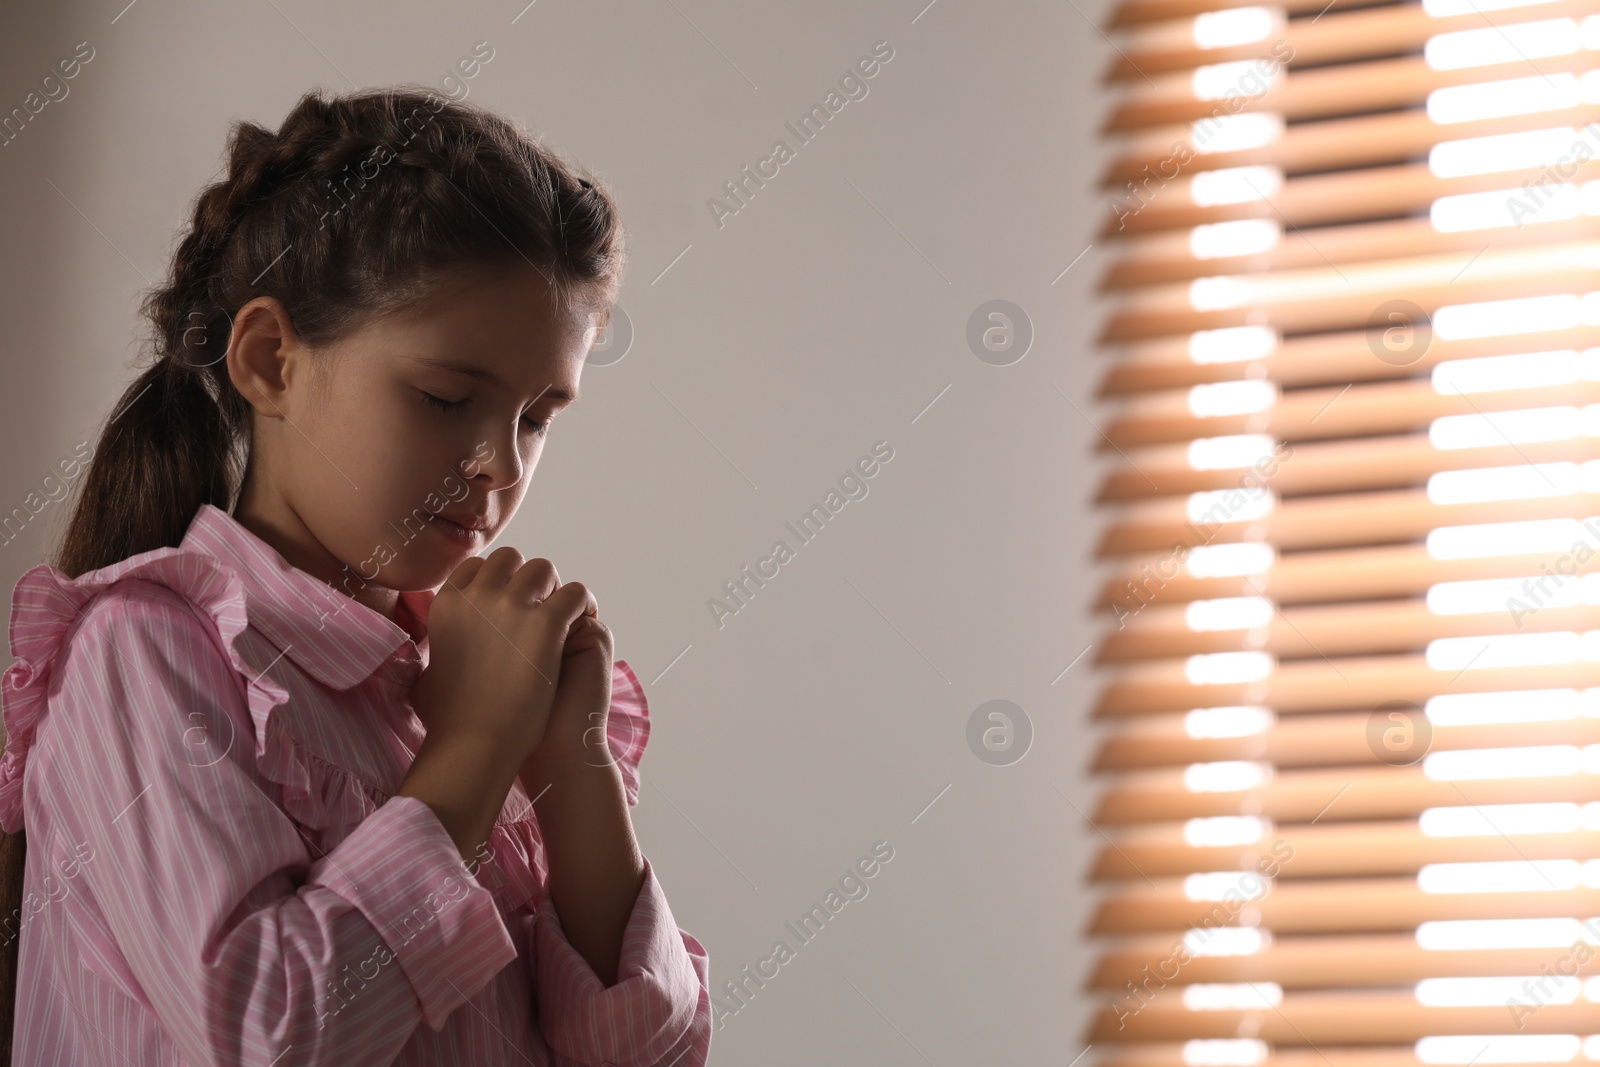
(504,328)
(512,302)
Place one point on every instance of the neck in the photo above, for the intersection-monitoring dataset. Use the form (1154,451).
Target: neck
(283,530)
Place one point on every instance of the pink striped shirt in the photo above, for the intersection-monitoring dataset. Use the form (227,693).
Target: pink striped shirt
(204,745)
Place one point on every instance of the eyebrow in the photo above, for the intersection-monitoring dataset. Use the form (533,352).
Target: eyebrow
(472,370)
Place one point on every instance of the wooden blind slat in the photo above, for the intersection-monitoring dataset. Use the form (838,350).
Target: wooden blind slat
(1310,1018)
(1362,141)
(1363,572)
(1367,194)
(1324,38)
(1337,298)
(1313,741)
(1316,962)
(1318,414)
(1171,1054)
(1380,792)
(1328,685)
(1326,521)
(1304,94)
(1335,850)
(1336,466)
(1159,633)
(1337,358)
(1167,256)
(1139,12)
(1335,905)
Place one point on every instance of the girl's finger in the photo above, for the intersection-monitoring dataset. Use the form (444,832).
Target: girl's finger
(462,576)
(593,608)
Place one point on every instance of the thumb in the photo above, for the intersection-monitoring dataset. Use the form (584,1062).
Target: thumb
(586,632)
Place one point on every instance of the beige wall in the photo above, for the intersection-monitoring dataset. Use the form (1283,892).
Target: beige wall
(823,317)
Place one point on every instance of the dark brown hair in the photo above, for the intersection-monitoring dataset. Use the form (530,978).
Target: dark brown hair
(359,205)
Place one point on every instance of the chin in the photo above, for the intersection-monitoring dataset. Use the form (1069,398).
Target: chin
(409,575)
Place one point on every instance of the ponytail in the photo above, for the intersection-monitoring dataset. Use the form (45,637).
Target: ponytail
(355,208)
(166,451)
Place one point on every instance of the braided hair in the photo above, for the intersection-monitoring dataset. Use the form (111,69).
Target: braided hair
(356,207)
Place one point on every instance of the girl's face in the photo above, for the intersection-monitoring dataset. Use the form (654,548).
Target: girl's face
(443,410)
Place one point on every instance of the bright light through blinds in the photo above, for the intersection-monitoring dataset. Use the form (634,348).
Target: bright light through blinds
(1351,421)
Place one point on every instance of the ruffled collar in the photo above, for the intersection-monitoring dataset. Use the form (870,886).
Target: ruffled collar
(331,636)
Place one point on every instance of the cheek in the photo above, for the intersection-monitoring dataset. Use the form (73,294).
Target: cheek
(384,445)
(332,451)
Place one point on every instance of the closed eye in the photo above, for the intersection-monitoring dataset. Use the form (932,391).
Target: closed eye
(443,405)
(455,406)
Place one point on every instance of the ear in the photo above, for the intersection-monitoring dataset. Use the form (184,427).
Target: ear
(265,356)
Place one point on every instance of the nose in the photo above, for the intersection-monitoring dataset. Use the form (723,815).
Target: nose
(496,463)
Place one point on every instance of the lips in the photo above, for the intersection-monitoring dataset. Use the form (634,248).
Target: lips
(468,521)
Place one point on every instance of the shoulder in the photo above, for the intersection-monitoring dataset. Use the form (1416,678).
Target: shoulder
(134,600)
(145,602)
(141,630)
(48,608)
(121,625)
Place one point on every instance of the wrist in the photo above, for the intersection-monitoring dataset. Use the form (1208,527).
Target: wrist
(557,767)
(463,777)
(560,748)
(487,749)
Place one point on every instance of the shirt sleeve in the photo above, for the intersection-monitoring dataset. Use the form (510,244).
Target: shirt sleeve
(658,1014)
(247,947)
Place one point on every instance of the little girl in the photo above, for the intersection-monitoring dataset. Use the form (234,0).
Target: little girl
(306,779)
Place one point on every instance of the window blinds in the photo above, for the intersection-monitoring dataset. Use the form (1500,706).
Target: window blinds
(1350,406)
